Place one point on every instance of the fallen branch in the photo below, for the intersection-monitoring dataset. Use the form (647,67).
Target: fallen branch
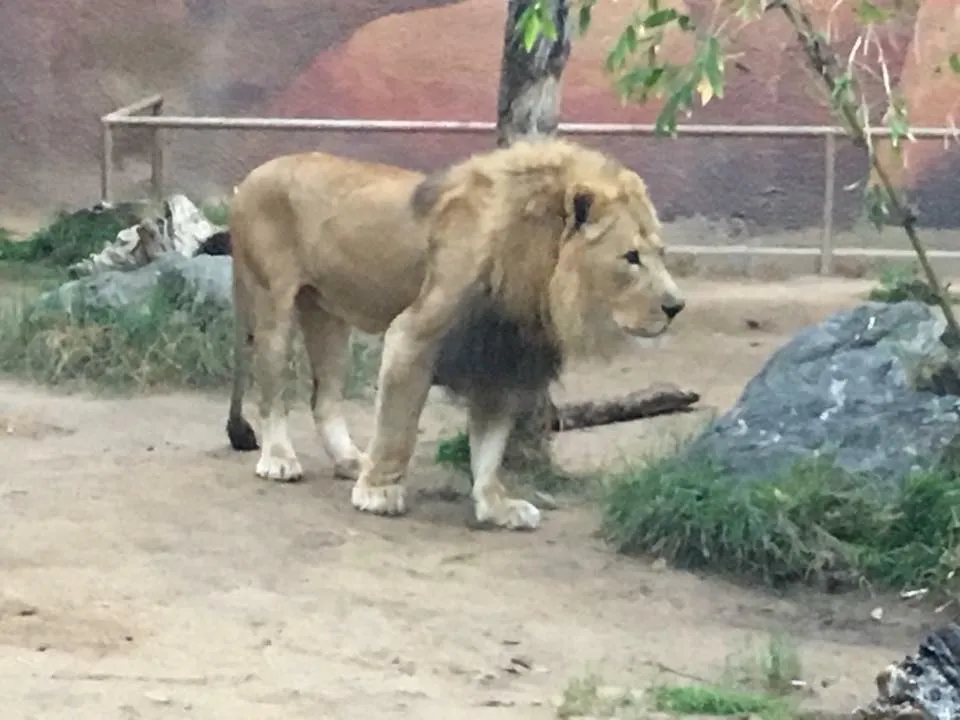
(659,399)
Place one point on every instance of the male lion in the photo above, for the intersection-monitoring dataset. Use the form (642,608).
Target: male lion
(484,276)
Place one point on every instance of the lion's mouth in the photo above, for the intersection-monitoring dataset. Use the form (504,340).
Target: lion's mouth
(648,333)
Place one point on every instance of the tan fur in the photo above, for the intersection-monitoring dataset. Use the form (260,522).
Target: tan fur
(356,244)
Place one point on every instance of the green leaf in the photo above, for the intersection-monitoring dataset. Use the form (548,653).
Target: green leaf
(875,203)
(637,82)
(584,16)
(955,62)
(870,13)
(842,85)
(660,18)
(686,23)
(680,98)
(531,32)
(630,38)
(713,65)
(548,27)
(625,45)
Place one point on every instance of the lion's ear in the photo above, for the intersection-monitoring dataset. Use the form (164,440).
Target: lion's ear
(579,202)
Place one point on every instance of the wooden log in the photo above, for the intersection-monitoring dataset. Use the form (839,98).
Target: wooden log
(659,399)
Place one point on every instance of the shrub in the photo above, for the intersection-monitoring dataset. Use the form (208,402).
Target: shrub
(901,283)
(70,237)
(170,341)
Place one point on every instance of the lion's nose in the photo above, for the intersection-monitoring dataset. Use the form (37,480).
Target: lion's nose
(671,310)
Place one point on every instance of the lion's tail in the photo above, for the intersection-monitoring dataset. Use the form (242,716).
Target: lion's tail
(239,430)
(216,244)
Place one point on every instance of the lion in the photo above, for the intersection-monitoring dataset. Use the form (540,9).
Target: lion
(484,278)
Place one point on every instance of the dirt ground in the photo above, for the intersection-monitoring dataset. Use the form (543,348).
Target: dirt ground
(147,573)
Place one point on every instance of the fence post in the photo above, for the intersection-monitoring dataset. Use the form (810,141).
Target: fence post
(826,239)
(156,154)
(106,162)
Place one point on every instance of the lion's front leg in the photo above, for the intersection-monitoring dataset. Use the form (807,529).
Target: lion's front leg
(410,348)
(490,426)
(406,371)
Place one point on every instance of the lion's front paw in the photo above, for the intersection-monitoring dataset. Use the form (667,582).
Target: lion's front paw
(379,499)
(510,514)
(281,469)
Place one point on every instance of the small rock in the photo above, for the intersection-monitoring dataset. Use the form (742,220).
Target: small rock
(155,696)
(495,702)
(546,501)
(406,667)
(486,678)
(877,614)
(519,663)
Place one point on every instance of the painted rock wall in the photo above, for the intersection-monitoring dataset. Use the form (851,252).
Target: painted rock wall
(65,62)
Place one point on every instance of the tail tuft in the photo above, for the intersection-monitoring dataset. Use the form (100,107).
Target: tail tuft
(241,435)
(216,244)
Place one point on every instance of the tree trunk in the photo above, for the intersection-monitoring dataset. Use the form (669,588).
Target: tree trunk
(529,104)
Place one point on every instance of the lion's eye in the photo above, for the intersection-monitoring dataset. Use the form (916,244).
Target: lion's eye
(632,257)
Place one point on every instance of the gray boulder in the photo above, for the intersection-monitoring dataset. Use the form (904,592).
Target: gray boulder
(206,277)
(925,686)
(872,388)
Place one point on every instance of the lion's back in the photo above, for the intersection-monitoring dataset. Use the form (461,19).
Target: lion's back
(342,226)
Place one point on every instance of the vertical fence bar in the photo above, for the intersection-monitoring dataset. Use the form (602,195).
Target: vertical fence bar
(106,162)
(826,239)
(156,154)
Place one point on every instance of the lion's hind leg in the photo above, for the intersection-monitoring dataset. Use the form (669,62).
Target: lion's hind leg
(490,423)
(327,341)
(274,315)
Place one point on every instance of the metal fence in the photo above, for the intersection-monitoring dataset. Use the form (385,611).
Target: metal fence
(133,116)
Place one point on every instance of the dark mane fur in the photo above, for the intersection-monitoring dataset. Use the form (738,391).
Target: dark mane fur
(486,351)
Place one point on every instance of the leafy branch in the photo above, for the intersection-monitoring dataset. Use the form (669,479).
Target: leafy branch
(640,71)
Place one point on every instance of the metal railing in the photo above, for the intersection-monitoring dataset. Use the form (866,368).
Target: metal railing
(131,116)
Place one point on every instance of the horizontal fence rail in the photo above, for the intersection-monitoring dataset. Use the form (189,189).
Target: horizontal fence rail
(130,116)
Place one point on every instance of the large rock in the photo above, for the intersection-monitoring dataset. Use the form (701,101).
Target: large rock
(180,227)
(921,687)
(206,277)
(872,388)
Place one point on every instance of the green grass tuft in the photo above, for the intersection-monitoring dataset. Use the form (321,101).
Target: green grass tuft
(70,237)
(702,699)
(814,523)
(454,452)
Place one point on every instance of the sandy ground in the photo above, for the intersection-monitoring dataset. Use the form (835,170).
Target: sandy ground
(147,573)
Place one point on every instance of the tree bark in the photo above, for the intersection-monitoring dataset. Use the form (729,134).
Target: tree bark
(659,399)
(529,104)
(529,99)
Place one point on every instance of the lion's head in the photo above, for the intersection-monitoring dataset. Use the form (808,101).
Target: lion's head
(571,238)
(610,277)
